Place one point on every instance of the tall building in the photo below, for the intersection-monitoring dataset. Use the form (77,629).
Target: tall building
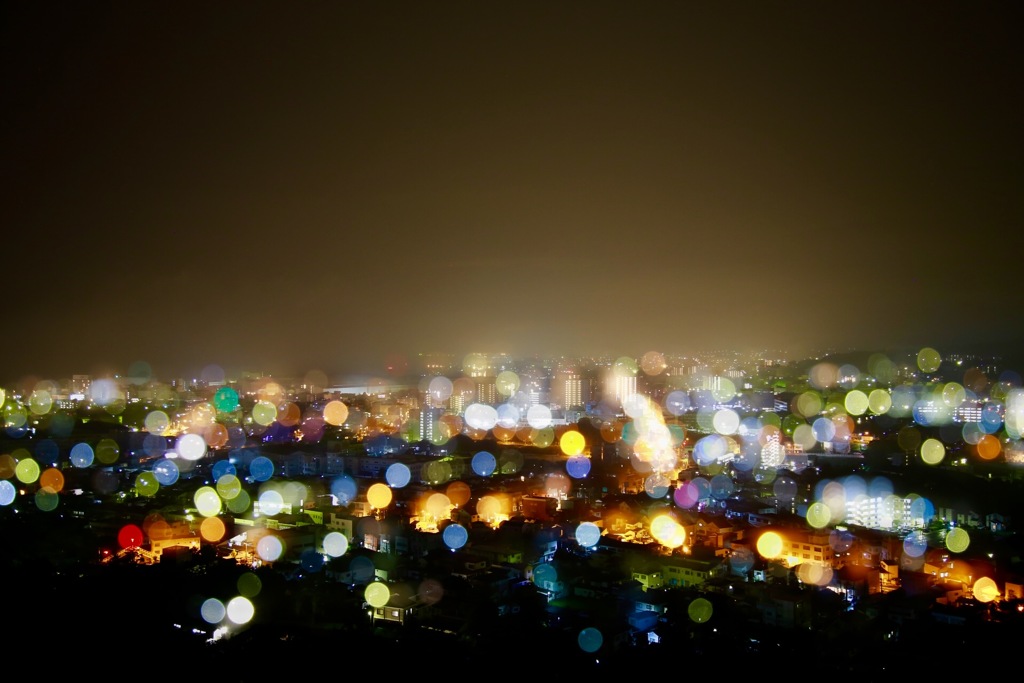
(884,512)
(620,387)
(429,419)
(567,389)
(458,401)
(80,386)
(487,391)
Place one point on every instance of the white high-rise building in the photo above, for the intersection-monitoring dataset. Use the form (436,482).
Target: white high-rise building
(567,389)
(623,387)
(429,423)
(883,512)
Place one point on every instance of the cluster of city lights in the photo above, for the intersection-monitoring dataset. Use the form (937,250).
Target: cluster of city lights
(824,415)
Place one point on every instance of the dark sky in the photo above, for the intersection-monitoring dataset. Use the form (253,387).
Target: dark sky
(296,186)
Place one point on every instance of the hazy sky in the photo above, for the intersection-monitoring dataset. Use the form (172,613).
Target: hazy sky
(320,185)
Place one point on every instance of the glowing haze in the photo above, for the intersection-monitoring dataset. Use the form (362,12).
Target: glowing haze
(344,185)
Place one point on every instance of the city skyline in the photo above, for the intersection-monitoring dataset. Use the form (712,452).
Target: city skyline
(338,188)
(652,369)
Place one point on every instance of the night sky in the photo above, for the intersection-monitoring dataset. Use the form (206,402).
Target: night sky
(297,186)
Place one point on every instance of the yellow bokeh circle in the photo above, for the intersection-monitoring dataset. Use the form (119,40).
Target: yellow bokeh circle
(932,451)
(957,540)
(572,442)
(377,594)
(379,496)
(769,545)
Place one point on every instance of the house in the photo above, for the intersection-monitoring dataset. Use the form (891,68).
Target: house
(686,572)
(399,609)
(546,579)
(785,606)
(646,570)
(649,578)
(808,547)
(996,522)
(643,608)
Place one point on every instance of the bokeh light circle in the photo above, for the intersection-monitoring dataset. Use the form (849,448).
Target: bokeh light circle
(82,455)
(269,548)
(207,501)
(335,413)
(398,475)
(240,610)
(819,515)
(928,359)
(335,543)
(483,463)
(455,536)
(377,594)
(7,492)
(915,544)
(932,451)
(986,590)
(130,536)
(379,496)
(213,611)
(146,484)
(572,442)
(27,470)
(191,446)
(578,466)
(769,545)
(590,639)
(261,468)
(700,610)
(957,540)
(264,413)
(588,534)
